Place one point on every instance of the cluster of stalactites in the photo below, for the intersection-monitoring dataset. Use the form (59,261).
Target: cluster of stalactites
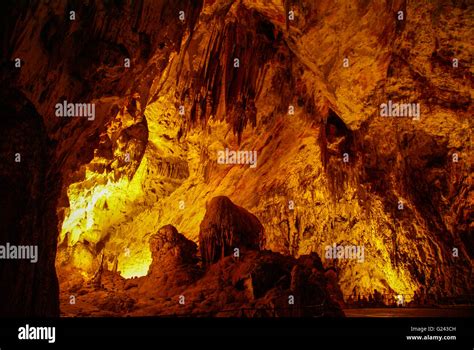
(228,81)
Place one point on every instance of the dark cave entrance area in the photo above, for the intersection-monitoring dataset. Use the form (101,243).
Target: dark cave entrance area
(28,210)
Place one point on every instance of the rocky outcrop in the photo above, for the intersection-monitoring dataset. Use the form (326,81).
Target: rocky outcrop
(253,284)
(174,263)
(259,284)
(227,227)
(170,248)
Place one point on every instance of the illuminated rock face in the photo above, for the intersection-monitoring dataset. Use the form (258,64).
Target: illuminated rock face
(228,229)
(305,94)
(27,209)
(252,283)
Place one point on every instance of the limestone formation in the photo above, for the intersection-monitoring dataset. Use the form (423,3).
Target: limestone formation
(170,248)
(307,92)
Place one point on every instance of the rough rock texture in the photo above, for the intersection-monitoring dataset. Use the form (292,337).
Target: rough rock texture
(254,284)
(168,243)
(80,61)
(227,227)
(259,284)
(302,191)
(173,265)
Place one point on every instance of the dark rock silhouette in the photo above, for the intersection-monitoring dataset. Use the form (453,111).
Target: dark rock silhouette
(254,284)
(226,227)
(336,171)
(28,191)
(168,247)
(174,263)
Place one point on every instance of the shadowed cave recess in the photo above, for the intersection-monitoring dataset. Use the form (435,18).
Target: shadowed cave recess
(144,209)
